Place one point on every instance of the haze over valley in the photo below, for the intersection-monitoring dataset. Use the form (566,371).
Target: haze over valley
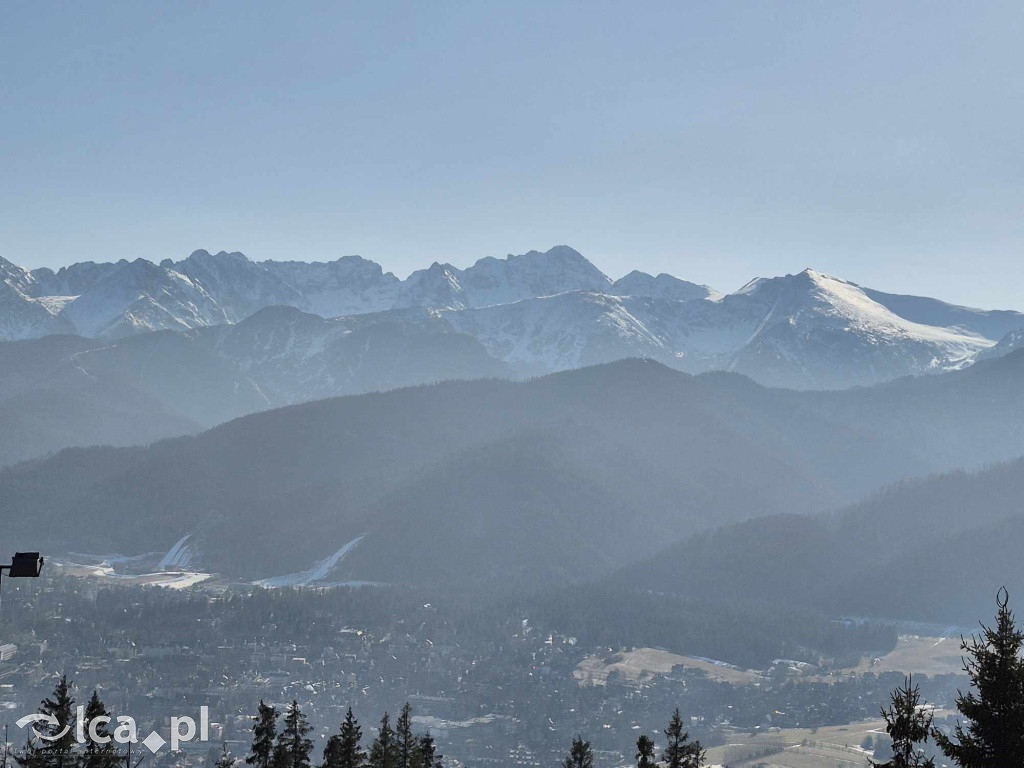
(665,422)
(190,344)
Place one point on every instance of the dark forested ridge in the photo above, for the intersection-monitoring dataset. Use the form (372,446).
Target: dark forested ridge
(904,552)
(62,391)
(558,479)
(593,459)
(48,402)
(748,632)
(165,383)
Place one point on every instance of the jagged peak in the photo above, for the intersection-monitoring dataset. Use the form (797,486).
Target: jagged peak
(664,286)
(817,276)
(140,265)
(202,255)
(437,267)
(563,252)
(349,262)
(557,252)
(17,278)
(347,259)
(636,274)
(354,258)
(807,277)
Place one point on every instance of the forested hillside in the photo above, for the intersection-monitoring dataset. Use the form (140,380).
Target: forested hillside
(903,552)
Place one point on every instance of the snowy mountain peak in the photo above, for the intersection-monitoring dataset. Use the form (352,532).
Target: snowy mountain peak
(19,278)
(559,256)
(533,312)
(557,270)
(663,286)
(349,285)
(23,314)
(828,296)
(436,286)
(1011,342)
(558,252)
(8,267)
(239,285)
(807,278)
(141,296)
(493,281)
(354,261)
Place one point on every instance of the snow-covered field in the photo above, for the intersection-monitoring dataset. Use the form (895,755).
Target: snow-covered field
(642,664)
(105,571)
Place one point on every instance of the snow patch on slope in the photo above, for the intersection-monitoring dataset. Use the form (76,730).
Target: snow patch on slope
(179,556)
(320,570)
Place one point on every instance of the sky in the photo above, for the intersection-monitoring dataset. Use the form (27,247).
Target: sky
(881,142)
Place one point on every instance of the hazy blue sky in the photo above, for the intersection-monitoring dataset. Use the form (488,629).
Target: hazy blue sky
(879,141)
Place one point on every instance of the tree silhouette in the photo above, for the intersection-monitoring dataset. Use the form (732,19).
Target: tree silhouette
(645,752)
(293,747)
(225,760)
(908,724)
(383,751)
(264,731)
(343,750)
(427,754)
(60,741)
(580,755)
(681,752)
(405,742)
(98,754)
(994,733)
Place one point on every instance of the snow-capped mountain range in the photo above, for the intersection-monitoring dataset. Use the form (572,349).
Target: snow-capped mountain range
(527,314)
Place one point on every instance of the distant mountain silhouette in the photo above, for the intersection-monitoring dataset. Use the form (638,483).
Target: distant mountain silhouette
(564,478)
(933,549)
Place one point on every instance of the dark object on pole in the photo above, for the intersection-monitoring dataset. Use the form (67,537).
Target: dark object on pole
(24,565)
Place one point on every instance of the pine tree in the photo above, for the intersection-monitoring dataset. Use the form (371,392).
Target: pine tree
(62,707)
(293,747)
(994,736)
(332,752)
(101,753)
(908,724)
(264,731)
(681,752)
(645,752)
(405,741)
(580,755)
(426,753)
(56,749)
(225,760)
(382,753)
(342,749)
